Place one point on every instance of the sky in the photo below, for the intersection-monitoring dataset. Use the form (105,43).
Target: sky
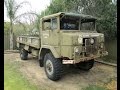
(36,5)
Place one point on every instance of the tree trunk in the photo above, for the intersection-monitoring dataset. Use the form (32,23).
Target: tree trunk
(11,35)
(11,41)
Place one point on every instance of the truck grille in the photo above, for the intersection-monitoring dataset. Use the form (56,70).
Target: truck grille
(88,47)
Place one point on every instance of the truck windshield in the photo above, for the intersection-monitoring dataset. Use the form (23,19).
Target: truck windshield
(73,23)
(69,24)
(87,25)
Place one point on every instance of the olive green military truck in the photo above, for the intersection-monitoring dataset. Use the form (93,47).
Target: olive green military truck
(64,38)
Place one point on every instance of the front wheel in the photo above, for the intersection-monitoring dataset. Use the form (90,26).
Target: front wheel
(53,67)
(86,65)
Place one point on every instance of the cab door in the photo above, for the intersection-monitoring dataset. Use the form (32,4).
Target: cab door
(50,32)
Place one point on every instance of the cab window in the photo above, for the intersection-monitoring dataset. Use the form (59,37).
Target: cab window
(46,24)
(50,24)
(54,24)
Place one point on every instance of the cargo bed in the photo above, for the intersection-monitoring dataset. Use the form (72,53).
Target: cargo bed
(32,41)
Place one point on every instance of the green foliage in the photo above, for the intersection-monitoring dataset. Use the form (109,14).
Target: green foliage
(6,27)
(17,28)
(104,10)
(14,80)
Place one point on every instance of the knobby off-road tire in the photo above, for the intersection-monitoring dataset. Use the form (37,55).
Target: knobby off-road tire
(53,67)
(87,65)
(23,54)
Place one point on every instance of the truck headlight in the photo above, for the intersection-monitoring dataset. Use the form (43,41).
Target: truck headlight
(80,40)
(76,49)
(92,40)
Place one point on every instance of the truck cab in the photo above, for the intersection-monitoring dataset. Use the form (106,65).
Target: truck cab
(73,36)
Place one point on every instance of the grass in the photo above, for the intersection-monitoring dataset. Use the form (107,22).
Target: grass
(13,80)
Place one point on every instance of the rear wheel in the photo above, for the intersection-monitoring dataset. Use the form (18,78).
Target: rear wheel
(23,54)
(53,67)
(87,65)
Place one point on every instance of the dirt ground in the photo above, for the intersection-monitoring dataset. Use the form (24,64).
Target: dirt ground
(73,79)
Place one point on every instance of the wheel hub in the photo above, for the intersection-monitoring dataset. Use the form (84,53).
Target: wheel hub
(49,67)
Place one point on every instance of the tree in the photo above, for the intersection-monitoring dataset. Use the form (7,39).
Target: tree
(12,10)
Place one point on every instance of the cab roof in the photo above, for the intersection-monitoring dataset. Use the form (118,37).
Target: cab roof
(69,14)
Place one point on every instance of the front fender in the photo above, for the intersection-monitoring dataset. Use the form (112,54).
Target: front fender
(52,49)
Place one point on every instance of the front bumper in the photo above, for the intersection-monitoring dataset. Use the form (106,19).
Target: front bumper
(104,53)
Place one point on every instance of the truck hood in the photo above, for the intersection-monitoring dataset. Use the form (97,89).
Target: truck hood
(83,34)
(69,38)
